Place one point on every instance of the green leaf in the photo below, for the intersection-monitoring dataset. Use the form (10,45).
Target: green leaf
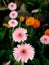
(1,52)
(3,63)
(11,58)
(30,3)
(44,60)
(36,61)
(17,63)
(2,33)
(14,62)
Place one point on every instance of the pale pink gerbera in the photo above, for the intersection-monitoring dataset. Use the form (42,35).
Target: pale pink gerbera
(12,6)
(13,14)
(44,39)
(19,35)
(13,23)
(7,63)
(23,52)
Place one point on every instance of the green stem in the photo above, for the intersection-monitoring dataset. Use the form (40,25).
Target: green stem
(19,24)
(43,48)
(10,36)
(22,63)
(12,44)
(35,15)
(31,33)
(12,40)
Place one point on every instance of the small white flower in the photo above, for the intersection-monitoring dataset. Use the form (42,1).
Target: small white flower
(34,11)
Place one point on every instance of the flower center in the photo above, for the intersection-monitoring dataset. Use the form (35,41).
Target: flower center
(45,39)
(23,51)
(13,14)
(12,22)
(19,34)
(36,23)
(11,5)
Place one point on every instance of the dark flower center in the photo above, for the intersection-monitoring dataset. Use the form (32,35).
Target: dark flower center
(12,22)
(11,5)
(19,34)
(13,14)
(23,51)
(45,39)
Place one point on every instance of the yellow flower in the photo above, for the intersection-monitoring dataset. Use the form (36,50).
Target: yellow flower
(22,18)
(29,21)
(6,25)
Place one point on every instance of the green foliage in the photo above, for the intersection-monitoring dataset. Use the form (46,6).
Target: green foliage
(34,4)
(44,60)
(2,33)
(17,63)
(2,52)
(36,61)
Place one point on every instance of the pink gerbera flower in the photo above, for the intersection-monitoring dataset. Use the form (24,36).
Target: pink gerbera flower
(44,39)
(8,63)
(12,6)
(24,52)
(13,14)
(20,35)
(13,23)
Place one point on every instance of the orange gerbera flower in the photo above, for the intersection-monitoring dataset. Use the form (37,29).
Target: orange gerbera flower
(36,23)
(22,18)
(29,21)
(6,25)
(47,32)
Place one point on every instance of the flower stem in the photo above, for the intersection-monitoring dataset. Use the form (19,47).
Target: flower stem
(19,24)
(10,37)
(12,44)
(22,63)
(43,48)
